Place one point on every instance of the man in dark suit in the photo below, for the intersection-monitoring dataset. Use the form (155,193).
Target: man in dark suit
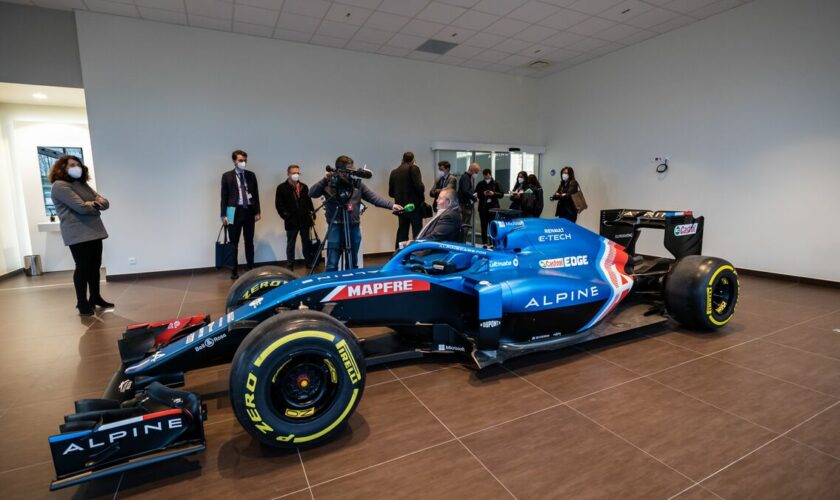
(466,192)
(240,191)
(445,180)
(446,225)
(405,186)
(295,208)
(489,192)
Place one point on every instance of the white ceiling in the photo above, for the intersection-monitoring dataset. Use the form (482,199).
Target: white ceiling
(494,35)
(15,93)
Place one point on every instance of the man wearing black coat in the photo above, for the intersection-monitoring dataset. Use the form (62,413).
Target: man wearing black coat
(466,192)
(240,191)
(295,208)
(488,192)
(405,186)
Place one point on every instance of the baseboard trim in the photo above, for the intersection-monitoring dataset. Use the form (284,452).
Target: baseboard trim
(180,272)
(787,277)
(12,273)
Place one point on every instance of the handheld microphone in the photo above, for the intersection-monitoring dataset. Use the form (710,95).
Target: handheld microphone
(408,208)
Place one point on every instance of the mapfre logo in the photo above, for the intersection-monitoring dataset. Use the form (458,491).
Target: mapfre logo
(685,229)
(376,289)
(572,261)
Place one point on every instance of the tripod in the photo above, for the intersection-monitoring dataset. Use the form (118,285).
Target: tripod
(345,259)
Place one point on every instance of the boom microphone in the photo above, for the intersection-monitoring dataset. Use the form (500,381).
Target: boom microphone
(362,173)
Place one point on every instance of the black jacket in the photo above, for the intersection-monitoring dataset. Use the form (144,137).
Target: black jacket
(444,227)
(565,205)
(532,202)
(230,191)
(296,211)
(465,190)
(406,186)
(488,202)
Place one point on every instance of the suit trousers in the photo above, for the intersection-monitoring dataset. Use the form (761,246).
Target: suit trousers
(243,222)
(413,220)
(305,243)
(485,216)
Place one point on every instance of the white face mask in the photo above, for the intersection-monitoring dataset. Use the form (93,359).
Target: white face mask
(295,177)
(75,172)
(241,165)
(521,179)
(565,177)
(441,173)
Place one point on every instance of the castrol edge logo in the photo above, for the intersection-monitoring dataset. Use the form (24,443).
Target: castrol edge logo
(376,289)
(571,261)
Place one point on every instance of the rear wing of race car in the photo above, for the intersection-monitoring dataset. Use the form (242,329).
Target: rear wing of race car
(683,231)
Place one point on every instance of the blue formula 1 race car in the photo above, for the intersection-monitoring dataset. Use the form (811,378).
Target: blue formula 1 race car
(298,370)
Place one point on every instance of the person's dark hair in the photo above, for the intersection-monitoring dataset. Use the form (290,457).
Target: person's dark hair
(290,167)
(533,181)
(237,153)
(58,171)
(487,171)
(408,157)
(445,164)
(343,161)
(570,171)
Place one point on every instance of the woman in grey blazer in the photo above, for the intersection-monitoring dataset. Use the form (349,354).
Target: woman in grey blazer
(78,207)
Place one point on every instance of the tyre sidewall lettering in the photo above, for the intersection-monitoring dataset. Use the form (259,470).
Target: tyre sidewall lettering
(257,389)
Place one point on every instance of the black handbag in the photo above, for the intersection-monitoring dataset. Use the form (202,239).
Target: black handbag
(427,210)
(225,251)
(314,246)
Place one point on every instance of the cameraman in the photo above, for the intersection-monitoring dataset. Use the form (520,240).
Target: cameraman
(332,186)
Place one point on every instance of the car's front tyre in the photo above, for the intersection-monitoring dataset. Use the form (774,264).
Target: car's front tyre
(255,283)
(296,379)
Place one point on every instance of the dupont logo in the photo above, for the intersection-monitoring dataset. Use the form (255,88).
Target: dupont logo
(685,229)
(376,289)
(571,261)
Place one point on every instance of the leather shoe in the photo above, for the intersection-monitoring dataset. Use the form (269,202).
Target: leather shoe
(100,302)
(234,275)
(85,310)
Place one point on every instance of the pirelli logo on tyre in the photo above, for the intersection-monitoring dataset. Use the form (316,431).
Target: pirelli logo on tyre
(349,361)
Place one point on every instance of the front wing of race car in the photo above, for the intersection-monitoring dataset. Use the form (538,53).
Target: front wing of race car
(106,437)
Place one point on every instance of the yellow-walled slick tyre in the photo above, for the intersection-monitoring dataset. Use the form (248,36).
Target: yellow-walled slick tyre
(256,282)
(702,292)
(296,379)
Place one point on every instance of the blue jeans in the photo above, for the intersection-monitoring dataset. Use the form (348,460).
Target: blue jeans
(335,237)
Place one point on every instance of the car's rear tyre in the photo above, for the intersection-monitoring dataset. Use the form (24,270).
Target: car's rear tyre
(701,292)
(257,282)
(296,379)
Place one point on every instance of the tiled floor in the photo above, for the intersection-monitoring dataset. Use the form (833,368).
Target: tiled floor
(750,411)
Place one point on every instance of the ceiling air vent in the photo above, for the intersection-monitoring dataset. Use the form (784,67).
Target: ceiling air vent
(538,64)
(436,46)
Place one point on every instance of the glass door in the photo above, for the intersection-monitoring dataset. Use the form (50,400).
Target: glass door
(504,165)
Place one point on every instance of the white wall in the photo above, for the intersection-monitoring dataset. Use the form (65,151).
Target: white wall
(167,104)
(38,46)
(24,128)
(13,240)
(747,106)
